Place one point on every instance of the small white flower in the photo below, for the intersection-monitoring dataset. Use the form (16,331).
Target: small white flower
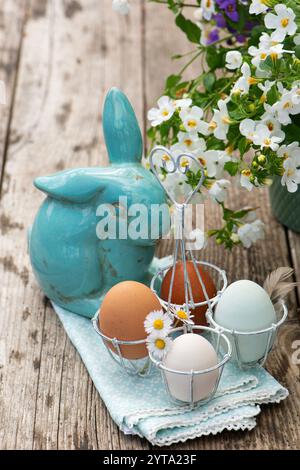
(163,113)
(288,151)
(214,161)
(177,185)
(121,6)
(288,104)
(188,142)
(234,60)
(264,138)
(197,239)
(291,164)
(192,120)
(245,182)
(183,103)
(251,232)
(158,322)
(218,190)
(247,128)
(158,346)
(198,14)
(257,7)
(182,314)
(273,125)
(283,22)
(243,83)
(208,9)
(220,121)
(2,93)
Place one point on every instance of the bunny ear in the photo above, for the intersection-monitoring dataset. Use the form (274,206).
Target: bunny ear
(77,186)
(121,130)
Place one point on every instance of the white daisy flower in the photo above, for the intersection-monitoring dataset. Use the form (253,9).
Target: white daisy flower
(243,83)
(288,104)
(158,346)
(121,6)
(192,120)
(283,22)
(182,314)
(234,60)
(163,113)
(158,322)
(289,151)
(273,125)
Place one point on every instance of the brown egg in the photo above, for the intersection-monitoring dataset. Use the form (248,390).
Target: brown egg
(122,315)
(178,288)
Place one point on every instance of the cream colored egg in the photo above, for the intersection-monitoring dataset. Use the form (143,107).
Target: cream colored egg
(246,307)
(191,352)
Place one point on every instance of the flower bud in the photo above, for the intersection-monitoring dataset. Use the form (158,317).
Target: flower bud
(261,159)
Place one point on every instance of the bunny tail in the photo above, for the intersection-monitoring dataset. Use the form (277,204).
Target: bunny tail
(122,134)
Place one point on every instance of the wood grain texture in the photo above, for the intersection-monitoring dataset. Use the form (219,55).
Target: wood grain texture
(71,53)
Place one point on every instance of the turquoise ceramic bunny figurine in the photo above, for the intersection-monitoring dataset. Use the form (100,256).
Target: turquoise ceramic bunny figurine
(72,265)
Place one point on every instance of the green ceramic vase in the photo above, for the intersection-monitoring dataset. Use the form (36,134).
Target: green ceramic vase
(285,205)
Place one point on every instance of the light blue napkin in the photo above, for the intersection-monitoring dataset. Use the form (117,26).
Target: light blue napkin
(141,405)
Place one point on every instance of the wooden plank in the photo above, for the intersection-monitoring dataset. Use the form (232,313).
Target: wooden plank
(294,243)
(278,424)
(12,17)
(72,53)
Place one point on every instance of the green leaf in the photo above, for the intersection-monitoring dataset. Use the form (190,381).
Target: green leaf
(231,167)
(215,58)
(172,81)
(191,30)
(209,81)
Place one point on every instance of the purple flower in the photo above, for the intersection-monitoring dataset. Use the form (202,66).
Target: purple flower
(220,20)
(240,38)
(231,12)
(213,36)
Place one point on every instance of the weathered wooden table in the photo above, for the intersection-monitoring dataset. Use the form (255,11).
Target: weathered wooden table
(58,58)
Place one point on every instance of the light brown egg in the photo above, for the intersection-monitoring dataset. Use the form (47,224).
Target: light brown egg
(122,315)
(178,296)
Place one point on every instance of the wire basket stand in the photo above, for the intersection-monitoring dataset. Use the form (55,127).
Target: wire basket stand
(182,164)
(140,367)
(191,380)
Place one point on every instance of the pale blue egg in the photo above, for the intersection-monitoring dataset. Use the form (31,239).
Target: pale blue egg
(246,307)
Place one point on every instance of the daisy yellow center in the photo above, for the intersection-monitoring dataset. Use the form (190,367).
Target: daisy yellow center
(208,3)
(160,343)
(202,161)
(165,112)
(285,155)
(263,98)
(182,314)
(246,172)
(290,172)
(270,126)
(192,123)
(284,22)
(263,55)
(287,105)
(158,324)
(166,158)
(267,142)
(188,142)
(274,55)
